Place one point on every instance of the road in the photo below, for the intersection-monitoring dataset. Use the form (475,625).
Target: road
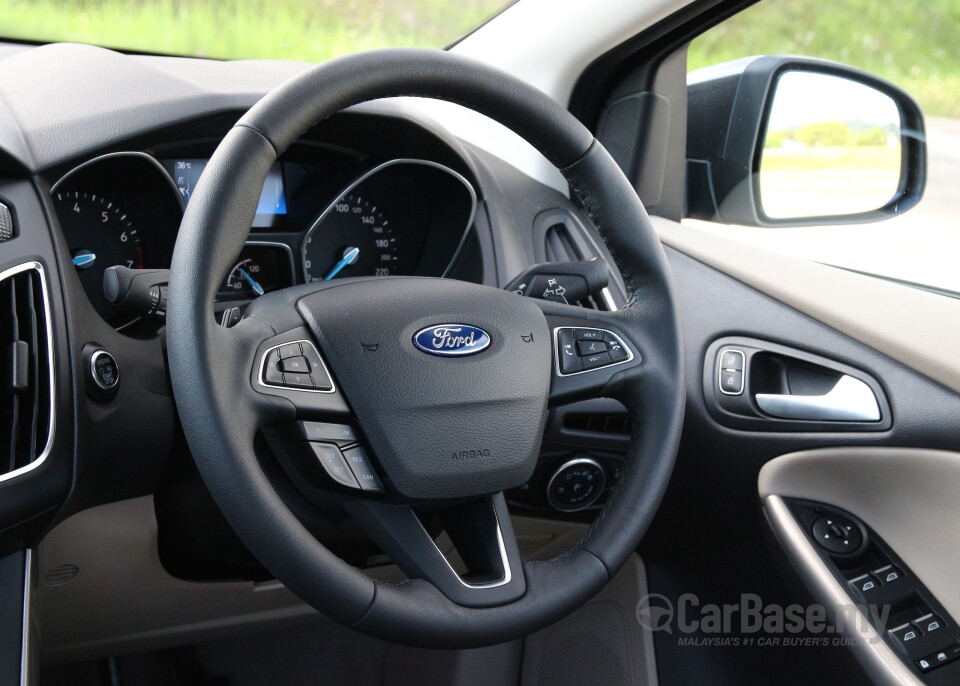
(921,246)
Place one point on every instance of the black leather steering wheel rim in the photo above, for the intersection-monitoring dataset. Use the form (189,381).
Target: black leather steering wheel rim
(204,358)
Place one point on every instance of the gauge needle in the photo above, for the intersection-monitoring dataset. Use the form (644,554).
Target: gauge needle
(257,288)
(349,257)
(84,259)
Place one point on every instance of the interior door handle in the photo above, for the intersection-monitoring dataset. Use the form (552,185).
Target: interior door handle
(851,400)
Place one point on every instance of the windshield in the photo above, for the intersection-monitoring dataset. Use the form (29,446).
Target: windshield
(311,30)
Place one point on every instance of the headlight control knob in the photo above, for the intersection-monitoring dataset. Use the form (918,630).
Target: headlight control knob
(577,484)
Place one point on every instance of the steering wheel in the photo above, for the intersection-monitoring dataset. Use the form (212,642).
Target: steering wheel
(441,436)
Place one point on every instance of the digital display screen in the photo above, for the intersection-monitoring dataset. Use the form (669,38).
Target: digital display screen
(273,200)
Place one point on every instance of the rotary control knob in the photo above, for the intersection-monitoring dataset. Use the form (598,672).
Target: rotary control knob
(577,484)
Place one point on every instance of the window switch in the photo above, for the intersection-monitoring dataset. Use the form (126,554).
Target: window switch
(905,635)
(928,623)
(888,575)
(866,585)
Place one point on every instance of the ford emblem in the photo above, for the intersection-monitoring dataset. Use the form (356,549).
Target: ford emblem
(451,340)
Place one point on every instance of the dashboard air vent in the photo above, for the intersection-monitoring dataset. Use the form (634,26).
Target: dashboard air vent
(6,223)
(561,247)
(26,370)
(612,424)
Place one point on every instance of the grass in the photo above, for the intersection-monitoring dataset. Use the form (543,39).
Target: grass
(837,158)
(911,43)
(310,30)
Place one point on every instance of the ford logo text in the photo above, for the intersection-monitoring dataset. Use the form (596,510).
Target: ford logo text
(451,340)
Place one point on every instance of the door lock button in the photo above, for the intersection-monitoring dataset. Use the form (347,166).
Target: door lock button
(730,369)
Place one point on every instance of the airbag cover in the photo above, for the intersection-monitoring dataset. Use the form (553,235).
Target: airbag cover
(441,426)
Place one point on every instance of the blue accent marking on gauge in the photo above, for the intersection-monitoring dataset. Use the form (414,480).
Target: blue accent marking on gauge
(257,288)
(349,258)
(84,259)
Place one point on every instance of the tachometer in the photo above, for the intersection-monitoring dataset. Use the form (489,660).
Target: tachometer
(351,238)
(100,235)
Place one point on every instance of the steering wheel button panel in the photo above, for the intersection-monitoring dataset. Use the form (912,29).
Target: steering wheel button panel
(582,350)
(334,464)
(295,366)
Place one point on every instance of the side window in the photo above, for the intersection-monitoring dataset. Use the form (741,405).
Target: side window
(908,44)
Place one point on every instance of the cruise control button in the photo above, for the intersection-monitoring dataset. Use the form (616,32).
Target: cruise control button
(362,469)
(588,334)
(585,348)
(289,350)
(333,464)
(341,434)
(295,365)
(595,361)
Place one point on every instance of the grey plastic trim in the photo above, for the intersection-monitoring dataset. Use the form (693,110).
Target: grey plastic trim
(51,433)
(851,400)
(504,560)
(26,645)
(263,362)
(880,662)
(918,329)
(556,347)
(380,167)
(126,153)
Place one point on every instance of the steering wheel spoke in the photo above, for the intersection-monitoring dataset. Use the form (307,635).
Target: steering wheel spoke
(480,568)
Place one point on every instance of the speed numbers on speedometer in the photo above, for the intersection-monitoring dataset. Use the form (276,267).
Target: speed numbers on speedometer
(352,238)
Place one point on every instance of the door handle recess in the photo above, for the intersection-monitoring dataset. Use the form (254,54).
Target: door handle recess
(851,400)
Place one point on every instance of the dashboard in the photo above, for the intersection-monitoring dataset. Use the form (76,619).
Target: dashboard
(323,214)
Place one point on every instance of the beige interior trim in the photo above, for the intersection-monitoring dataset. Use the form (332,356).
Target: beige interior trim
(910,497)
(113,551)
(915,327)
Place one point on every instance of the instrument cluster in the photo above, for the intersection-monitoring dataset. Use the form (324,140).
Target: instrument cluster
(315,221)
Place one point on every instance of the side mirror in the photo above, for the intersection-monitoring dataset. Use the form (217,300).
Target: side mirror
(790,141)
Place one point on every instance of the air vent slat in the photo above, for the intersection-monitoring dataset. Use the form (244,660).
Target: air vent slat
(598,423)
(26,379)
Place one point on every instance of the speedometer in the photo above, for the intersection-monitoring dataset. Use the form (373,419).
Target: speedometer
(352,237)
